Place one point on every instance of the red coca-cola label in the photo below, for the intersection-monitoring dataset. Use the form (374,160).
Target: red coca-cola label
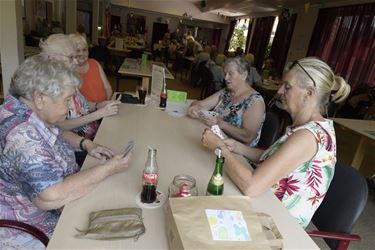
(150,177)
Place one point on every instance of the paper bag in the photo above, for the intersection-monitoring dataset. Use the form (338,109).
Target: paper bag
(188,226)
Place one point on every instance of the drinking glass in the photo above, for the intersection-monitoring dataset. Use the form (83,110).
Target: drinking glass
(183,186)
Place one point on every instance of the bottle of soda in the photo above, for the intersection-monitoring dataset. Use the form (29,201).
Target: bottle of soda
(163,96)
(216,183)
(150,178)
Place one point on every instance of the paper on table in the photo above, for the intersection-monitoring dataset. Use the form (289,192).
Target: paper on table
(178,109)
(157,81)
(228,225)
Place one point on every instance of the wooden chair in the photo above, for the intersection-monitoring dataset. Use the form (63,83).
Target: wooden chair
(341,208)
(25,228)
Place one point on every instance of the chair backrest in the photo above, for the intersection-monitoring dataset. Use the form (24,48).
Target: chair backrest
(25,228)
(343,203)
(270,130)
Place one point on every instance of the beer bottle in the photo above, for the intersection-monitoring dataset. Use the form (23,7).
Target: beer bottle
(150,178)
(163,96)
(216,183)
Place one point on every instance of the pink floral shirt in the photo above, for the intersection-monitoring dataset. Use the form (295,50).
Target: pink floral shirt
(303,190)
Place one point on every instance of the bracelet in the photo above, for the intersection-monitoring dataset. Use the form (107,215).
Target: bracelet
(81,144)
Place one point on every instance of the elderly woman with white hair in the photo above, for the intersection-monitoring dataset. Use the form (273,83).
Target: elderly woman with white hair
(240,109)
(300,165)
(38,172)
(95,86)
(82,115)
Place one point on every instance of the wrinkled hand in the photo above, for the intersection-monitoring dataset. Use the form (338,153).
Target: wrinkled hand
(231,144)
(99,152)
(210,120)
(118,163)
(193,111)
(108,108)
(210,140)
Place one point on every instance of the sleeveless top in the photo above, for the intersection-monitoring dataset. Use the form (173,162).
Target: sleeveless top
(92,85)
(233,112)
(303,190)
(80,107)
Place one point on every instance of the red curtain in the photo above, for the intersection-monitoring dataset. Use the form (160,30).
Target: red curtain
(281,42)
(261,37)
(344,37)
(230,34)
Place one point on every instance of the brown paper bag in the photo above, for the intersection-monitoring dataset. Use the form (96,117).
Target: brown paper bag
(188,227)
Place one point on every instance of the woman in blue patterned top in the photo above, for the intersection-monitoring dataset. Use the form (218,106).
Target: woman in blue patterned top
(240,109)
(38,172)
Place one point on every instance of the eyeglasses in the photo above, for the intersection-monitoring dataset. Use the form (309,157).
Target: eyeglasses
(297,63)
(70,58)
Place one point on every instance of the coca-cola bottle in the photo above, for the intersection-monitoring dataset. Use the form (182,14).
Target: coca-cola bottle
(163,96)
(150,178)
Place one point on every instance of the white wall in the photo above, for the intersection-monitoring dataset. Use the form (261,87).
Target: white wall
(11,39)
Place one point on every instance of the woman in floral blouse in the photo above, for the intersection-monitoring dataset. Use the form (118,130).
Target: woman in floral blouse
(300,165)
(38,172)
(240,108)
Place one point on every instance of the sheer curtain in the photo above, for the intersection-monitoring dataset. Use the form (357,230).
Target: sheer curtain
(261,37)
(344,37)
(281,42)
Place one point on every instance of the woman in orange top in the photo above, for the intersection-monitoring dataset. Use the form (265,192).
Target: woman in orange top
(95,86)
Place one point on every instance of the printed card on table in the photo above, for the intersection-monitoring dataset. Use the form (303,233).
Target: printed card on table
(157,79)
(227,225)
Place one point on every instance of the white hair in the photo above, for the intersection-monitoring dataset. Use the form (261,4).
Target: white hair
(42,75)
(56,44)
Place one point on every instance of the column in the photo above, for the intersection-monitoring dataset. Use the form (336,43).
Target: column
(11,39)
(70,16)
(95,21)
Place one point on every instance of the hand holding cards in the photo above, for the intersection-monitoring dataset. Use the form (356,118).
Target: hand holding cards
(205,114)
(217,131)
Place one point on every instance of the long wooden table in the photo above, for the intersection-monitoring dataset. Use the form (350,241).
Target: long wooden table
(131,67)
(365,129)
(178,141)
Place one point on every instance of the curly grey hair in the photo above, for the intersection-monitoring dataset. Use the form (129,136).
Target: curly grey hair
(42,75)
(242,66)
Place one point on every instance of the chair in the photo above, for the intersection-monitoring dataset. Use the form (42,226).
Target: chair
(25,228)
(343,204)
(206,80)
(270,130)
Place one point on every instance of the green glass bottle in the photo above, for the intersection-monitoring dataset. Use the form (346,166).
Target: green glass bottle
(216,183)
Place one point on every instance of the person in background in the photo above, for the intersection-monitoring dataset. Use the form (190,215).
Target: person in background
(268,70)
(82,115)
(38,172)
(95,86)
(192,47)
(241,110)
(300,165)
(254,77)
(216,68)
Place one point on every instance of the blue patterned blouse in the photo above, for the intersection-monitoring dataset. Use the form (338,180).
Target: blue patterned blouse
(233,112)
(33,157)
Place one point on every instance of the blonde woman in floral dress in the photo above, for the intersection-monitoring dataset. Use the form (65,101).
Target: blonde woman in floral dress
(300,165)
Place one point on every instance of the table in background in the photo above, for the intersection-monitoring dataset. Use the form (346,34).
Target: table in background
(178,141)
(364,128)
(131,67)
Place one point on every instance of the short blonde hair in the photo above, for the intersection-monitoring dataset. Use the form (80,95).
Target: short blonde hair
(325,79)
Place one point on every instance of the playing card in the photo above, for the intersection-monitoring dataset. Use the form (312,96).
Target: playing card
(217,131)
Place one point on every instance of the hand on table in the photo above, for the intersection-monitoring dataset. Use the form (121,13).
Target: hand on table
(108,108)
(119,163)
(98,151)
